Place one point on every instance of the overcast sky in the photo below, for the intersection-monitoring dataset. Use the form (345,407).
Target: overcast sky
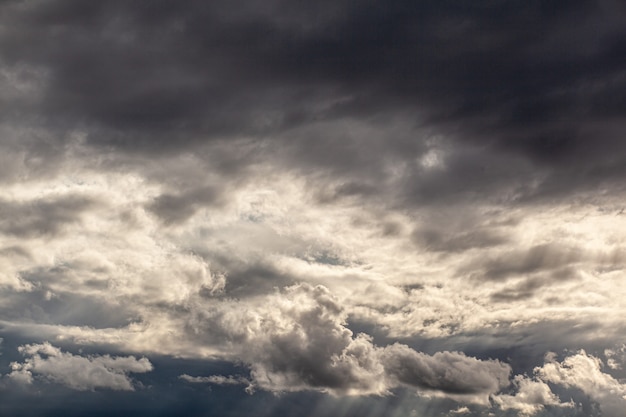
(327,208)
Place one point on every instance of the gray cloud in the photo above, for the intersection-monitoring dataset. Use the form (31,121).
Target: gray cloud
(244,280)
(537,258)
(42,217)
(450,372)
(173,208)
(513,77)
(436,240)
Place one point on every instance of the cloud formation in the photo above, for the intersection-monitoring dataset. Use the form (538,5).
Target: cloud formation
(584,372)
(220,380)
(298,340)
(74,371)
(531,396)
(391,207)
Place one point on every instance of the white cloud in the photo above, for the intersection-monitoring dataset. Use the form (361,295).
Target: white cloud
(531,396)
(49,363)
(615,358)
(584,371)
(578,371)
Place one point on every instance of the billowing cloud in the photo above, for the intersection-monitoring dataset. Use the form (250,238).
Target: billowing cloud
(615,358)
(579,371)
(584,371)
(77,372)
(531,396)
(298,341)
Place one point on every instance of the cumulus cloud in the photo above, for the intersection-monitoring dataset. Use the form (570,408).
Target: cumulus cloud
(298,340)
(579,371)
(531,396)
(584,371)
(615,358)
(49,363)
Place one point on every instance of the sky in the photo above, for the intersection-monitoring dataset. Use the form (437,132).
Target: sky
(328,208)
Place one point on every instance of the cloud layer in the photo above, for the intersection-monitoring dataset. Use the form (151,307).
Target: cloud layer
(379,207)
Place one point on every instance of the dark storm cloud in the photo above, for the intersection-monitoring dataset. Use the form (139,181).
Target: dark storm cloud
(531,78)
(153,74)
